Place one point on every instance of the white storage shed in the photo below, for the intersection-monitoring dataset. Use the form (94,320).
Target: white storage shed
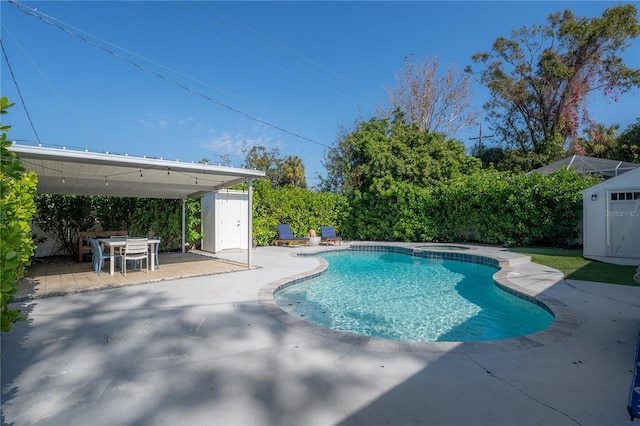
(225,222)
(611,218)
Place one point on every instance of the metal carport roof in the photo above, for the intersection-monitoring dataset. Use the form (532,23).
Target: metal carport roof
(64,171)
(72,172)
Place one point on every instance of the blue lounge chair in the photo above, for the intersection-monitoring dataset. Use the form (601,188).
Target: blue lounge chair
(329,235)
(285,236)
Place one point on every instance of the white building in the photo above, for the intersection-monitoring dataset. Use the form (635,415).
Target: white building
(611,219)
(225,224)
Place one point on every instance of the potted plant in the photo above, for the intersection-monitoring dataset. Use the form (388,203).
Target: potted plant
(313,238)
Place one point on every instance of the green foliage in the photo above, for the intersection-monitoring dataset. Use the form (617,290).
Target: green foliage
(391,211)
(291,172)
(500,208)
(402,184)
(268,161)
(517,160)
(17,190)
(488,207)
(145,216)
(279,171)
(540,78)
(628,144)
(62,217)
(600,141)
(574,266)
(301,208)
(392,149)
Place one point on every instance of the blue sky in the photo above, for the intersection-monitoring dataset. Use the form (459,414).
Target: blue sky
(205,79)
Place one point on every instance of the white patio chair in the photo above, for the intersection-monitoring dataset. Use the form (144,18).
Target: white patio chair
(135,249)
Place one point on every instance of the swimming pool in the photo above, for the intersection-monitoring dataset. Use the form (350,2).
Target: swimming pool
(412,296)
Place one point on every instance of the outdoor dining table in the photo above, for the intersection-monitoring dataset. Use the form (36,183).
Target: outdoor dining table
(113,242)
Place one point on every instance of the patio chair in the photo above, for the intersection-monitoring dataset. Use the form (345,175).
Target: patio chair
(329,235)
(135,249)
(285,236)
(98,256)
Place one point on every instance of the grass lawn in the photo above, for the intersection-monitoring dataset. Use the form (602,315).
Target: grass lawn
(575,267)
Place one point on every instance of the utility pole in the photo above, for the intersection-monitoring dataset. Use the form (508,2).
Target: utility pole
(479,139)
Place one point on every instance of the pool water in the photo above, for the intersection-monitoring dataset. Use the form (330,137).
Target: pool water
(401,297)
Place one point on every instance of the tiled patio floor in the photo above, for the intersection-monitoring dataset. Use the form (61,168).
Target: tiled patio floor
(64,275)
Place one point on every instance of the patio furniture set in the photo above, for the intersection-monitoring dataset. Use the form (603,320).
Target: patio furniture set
(128,249)
(285,236)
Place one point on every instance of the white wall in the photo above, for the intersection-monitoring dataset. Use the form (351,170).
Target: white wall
(594,224)
(45,248)
(603,217)
(225,223)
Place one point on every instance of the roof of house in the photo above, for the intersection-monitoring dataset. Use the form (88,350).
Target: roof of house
(589,165)
(628,180)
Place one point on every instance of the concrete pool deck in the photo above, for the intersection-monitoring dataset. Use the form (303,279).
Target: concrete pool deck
(205,351)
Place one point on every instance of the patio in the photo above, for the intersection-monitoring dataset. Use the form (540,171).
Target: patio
(203,351)
(57,276)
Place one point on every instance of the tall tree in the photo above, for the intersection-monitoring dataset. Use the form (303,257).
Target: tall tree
(541,77)
(600,141)
(257,157)
(393,150)
(434,101)
(280,171)
(292,171)
(628,143)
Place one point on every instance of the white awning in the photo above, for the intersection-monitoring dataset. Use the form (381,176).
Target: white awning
(71,172)
(64,171)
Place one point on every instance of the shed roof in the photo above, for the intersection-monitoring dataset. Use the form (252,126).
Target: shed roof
(64,171)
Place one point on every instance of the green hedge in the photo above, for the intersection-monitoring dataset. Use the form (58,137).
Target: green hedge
(487,207)
(302,209)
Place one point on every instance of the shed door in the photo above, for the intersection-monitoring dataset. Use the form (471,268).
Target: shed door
(231,217)
(624,224)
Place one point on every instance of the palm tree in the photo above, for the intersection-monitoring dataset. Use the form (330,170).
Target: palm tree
(293,171)
(600,141)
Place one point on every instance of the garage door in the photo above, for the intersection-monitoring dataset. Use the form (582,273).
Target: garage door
(624,224)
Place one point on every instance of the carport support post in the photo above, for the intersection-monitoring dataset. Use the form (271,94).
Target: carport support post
(250,221)
(184,202)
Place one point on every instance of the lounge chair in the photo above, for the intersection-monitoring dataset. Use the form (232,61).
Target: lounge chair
(285,236)
(329,235)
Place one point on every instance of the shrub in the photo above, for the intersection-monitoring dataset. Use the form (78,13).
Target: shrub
(488,207)
(17,191)
(301,208)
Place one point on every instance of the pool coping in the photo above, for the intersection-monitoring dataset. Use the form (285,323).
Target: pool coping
(563,326)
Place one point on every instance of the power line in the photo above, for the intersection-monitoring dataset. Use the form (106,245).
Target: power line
(24,105)
(47,20)
(351,85)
